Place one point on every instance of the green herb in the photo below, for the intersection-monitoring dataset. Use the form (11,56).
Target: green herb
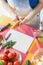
(1,63)
(8,44)
(27,62)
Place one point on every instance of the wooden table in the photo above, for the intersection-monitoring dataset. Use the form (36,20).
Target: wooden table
(26,29)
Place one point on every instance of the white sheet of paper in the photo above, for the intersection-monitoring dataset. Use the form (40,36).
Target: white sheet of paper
(23,41)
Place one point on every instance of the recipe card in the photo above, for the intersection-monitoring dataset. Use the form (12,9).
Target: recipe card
(23,41)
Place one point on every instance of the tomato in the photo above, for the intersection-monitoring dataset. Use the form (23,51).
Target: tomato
(1,57)
(14,59)
(14,53)
(9,63)
(6,51)
(5,57)
(11,55)
(16,63)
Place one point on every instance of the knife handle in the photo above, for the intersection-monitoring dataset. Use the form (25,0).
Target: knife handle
(4,26)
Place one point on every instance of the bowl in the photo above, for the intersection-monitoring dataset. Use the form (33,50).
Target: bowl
(38,57)
(18,54)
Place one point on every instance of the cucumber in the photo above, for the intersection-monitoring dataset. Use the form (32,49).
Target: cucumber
(27,62)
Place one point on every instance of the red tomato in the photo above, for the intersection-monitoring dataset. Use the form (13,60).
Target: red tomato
(9,63)
(1,57)
(14,59)
(14,54)
(16,63)
(11,55)
(6,51)
(5,57)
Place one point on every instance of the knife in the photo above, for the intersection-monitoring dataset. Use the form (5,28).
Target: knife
(1,29)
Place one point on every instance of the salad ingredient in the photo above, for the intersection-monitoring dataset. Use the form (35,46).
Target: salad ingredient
(6,51)
(11,55)
(5,57)
(9,58)
(8,44)
(16,63)
(42,58)
(40,63)
(9,63)
(28,62)
(40,39)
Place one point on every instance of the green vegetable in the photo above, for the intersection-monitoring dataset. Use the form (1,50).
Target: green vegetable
(1,63)
(27,62)
(8,44)
(40,39)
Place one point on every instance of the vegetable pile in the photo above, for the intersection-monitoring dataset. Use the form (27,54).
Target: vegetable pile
(9,58)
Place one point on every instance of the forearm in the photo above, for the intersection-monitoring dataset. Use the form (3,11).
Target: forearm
(31,15)
(8,9)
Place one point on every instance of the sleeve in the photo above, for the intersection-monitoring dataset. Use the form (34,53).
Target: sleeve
(33,3)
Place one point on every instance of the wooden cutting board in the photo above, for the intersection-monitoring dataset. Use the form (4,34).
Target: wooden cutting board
(5,20)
